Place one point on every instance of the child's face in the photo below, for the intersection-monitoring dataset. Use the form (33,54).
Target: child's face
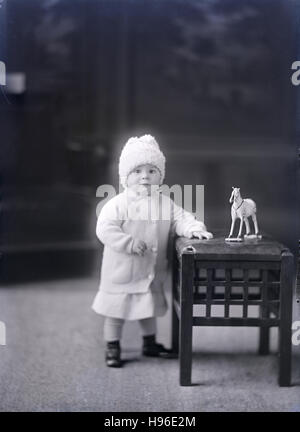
(145,175)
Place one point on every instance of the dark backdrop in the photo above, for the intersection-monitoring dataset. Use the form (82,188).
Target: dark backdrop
(210,79)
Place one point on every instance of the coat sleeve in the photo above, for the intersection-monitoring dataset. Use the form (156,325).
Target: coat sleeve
(184,223)
(109,228)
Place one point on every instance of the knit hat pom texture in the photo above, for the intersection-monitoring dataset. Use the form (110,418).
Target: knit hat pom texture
(140,151)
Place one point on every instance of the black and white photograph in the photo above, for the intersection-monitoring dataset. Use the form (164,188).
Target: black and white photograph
(149,208)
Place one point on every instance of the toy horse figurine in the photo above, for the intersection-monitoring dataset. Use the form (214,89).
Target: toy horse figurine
(242,209)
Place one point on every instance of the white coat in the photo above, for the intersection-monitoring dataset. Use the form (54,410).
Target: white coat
(131,285)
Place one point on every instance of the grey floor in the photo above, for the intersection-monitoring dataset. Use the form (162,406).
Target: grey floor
(53,361)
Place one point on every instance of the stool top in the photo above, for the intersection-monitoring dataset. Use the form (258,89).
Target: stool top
(265,249)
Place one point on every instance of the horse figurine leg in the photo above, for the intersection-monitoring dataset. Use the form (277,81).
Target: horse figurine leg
(241,227)
(256,235)
(230,238)
(233,219)
(256,226)
(255,223)
(247,226)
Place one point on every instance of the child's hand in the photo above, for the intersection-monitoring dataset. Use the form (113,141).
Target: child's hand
(203,235)
(139,247)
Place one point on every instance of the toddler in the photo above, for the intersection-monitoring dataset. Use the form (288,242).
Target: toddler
(134,227)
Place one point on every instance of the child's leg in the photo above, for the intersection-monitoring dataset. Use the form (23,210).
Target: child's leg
(148,326)
(150,347)
(112,334)
(113,329)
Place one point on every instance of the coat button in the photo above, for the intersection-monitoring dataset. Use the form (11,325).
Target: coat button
(154,249)
(150,276)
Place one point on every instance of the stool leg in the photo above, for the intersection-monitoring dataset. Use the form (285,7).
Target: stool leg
(175,330)
(185,349)
(186,319)
(285,330)
(264,341)
(175,310)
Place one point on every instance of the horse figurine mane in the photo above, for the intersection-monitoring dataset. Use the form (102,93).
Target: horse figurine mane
(242,209)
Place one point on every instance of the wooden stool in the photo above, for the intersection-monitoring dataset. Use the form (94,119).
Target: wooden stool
(212,272)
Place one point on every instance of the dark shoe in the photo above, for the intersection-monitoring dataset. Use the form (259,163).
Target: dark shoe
(113,354)
(154,349)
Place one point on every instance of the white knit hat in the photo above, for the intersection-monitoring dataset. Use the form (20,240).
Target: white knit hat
(141,151)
